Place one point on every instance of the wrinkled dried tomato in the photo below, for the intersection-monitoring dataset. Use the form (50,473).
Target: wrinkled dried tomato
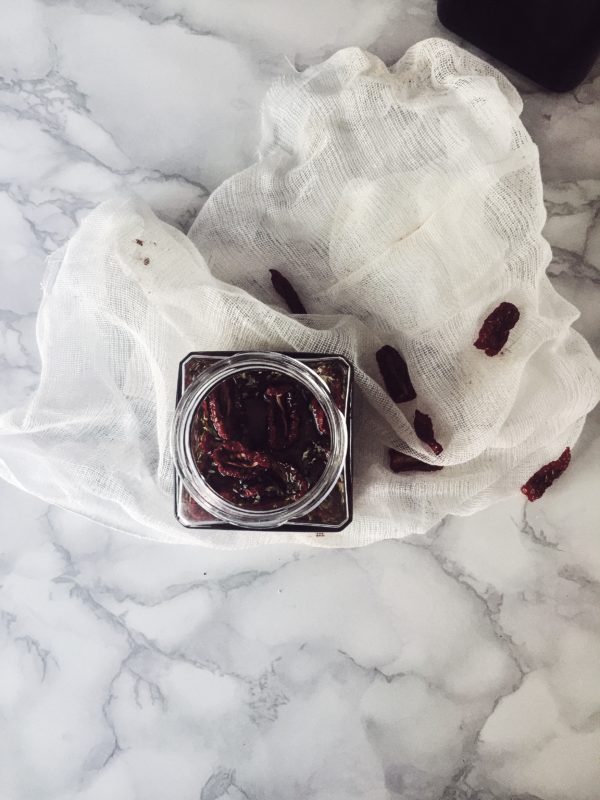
(424,430)
(493,334)
(394,372)
(314,459)
(319,416)
(294,482)
(235,460)
(283,418)
(220,404)
(546,475)
(287,292)
(401,462)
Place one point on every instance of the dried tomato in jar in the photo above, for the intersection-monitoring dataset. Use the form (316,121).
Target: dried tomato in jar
(262,441)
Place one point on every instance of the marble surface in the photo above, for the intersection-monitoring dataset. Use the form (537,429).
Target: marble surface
(462,665)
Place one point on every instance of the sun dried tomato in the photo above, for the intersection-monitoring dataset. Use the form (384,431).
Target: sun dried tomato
(394,372)
(401,462)
(283,417)
(220,404)
(546,475)
(287,292)
(496,327)
(234,460)
(319,416)
(424,430)
(314,459)
(294,483)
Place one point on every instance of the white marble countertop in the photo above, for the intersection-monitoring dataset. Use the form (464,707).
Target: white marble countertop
(463,665)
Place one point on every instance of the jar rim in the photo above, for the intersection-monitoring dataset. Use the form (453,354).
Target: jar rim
(193,479)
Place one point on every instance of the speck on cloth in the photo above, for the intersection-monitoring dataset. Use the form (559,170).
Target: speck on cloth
(405,204)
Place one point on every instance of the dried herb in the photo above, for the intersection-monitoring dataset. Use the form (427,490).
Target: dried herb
(545,476)
(334,376)
(496,327)
(193,370)
(203,444)
(140,242)
(287,292)
(394,372)
(400,462)
(330,510)
(424,430)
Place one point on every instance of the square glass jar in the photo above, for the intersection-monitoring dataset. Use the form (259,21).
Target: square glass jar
(326,378)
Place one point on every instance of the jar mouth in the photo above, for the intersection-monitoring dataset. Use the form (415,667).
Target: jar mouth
(193,478)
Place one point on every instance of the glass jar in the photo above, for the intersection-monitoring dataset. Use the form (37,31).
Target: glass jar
(327,504)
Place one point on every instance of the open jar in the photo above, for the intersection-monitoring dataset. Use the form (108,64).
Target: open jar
(263,441)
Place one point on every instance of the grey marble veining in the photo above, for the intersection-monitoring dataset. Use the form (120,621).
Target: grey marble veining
(462,665)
